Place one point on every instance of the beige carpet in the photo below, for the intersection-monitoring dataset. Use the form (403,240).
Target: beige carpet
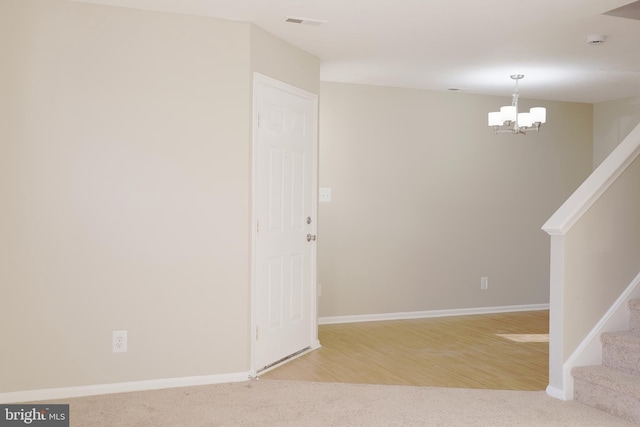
(298,403)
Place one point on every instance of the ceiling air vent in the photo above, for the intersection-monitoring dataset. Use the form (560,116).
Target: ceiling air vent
(596,39)
(304,21)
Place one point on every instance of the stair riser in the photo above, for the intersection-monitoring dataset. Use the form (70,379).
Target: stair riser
(623,358)
(612,401)
(614,387)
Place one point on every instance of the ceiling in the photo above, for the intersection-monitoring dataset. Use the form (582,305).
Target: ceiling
(467,45)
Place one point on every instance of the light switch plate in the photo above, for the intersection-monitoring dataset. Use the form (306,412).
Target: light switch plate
(324,194)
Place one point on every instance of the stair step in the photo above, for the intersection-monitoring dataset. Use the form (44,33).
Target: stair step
(608,390)
(621,350)
(634,321)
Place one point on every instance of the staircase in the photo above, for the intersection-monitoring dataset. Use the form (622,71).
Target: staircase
(614,387)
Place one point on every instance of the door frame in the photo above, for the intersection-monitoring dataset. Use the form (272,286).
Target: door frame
(263,80)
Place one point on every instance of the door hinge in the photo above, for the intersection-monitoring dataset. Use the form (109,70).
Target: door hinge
(259,121)
(257,333)
(258,226)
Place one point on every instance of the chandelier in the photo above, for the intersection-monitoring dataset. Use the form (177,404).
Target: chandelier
(508,120)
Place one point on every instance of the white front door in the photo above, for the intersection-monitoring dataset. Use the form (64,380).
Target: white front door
(285,194)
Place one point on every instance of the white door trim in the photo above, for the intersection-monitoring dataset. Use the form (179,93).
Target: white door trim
(260,79)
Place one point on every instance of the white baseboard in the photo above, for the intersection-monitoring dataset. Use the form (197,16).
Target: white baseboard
(556,393)
(92,390)
(429,313)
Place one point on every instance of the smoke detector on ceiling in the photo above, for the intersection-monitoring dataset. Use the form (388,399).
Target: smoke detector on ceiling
(596,39)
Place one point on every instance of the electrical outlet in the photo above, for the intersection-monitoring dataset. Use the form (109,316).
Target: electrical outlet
(119,341)
(484,283)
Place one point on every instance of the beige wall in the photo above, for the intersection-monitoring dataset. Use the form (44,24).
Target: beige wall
(603,247)
(280,60)
(125,181)
(427,199)
(601,257)
(612,122)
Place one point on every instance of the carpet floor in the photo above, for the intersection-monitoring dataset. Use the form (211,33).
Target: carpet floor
(308,404)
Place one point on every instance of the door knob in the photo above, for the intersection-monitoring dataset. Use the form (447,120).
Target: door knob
(311,237)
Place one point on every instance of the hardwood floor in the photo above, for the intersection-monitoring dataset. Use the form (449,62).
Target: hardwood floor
(507,351)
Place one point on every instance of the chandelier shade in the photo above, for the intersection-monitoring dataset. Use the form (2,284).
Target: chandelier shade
(509,120)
